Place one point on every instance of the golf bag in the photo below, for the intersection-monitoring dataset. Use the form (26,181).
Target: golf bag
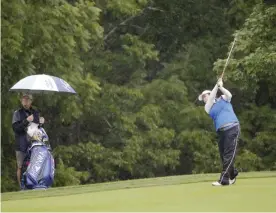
(39,166)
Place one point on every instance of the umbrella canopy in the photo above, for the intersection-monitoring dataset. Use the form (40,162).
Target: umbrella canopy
(42,84)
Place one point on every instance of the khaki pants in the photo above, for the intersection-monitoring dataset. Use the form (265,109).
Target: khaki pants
(20,156)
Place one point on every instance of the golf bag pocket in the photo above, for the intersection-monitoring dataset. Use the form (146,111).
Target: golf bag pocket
(41,168)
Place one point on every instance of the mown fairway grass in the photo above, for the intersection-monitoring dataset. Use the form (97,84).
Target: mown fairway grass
(252,192)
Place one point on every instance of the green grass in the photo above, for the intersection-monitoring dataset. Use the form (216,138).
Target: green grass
(252,192)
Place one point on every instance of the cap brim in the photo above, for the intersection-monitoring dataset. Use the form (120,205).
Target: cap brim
(200,97)
(26,96)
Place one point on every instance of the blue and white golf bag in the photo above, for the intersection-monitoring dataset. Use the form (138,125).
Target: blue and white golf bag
(39,165)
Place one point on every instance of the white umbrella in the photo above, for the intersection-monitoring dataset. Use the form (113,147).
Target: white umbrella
(42,84)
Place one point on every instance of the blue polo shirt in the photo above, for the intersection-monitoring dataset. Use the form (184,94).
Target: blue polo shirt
(222,113)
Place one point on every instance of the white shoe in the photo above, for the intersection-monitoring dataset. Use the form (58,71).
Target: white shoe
(216,183)
(232,181)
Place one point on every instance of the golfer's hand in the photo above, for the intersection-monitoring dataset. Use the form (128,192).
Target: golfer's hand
(220,83)
(30,118)
(41,120)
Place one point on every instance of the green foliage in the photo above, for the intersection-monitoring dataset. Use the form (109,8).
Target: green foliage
(254,53)
(258,133)
(66,176)
(247,161)
(101,163)
(239,10)
(198,149)
(8,174)
(137,49)
(151,153)
(121,7)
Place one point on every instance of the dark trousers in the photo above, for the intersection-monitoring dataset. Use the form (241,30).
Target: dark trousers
(228,142)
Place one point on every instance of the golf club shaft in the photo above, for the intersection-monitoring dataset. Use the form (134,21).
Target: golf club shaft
(227,61)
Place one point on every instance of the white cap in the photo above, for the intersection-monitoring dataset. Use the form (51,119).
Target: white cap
(203,93)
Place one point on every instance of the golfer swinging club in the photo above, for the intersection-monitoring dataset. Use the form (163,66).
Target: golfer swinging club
(227,127)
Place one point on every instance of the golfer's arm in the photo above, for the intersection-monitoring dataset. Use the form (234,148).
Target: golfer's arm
(211,99)
(226,93)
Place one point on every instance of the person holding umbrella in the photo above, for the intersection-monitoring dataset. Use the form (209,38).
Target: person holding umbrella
(22,118)
(25,119)
(227,127)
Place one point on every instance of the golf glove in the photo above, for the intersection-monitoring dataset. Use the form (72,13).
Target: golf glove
(220,83)
(41,120)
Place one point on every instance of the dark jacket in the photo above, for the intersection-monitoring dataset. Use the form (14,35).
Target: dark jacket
(20,124)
